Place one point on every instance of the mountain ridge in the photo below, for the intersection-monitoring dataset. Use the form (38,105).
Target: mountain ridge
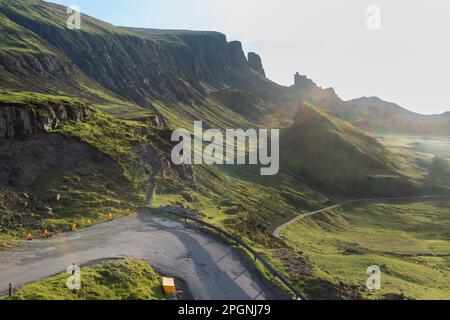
(159,68)
(371,114)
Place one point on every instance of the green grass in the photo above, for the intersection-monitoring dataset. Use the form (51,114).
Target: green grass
(239,200)
(125,279)
(23,98)
(89,192)
(105,102)
(6,240)
(410,242)
(213,113)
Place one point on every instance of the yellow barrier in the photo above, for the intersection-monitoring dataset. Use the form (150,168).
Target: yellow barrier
(168,285)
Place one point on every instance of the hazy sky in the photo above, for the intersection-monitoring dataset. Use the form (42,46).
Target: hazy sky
(407,61)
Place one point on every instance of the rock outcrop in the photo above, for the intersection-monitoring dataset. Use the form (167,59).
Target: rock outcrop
(26,119)
(301,81)
(255,63)
(238,59)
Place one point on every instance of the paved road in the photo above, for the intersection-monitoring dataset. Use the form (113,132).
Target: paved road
(279,229)
(211,269)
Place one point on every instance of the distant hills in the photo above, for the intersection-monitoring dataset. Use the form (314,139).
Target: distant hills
(339,158)
(376,115)
(372,114)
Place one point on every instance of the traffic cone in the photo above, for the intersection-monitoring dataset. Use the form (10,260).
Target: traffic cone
(111,217)
(74,227)
(46,234)
(89,222)
(29,236)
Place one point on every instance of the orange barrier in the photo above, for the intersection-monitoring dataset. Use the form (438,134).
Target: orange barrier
(168,285)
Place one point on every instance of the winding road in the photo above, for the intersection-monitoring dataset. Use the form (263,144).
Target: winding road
(277,232)
(279,229)
(211,269)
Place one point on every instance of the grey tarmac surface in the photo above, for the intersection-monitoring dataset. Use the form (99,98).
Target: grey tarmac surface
(211,269)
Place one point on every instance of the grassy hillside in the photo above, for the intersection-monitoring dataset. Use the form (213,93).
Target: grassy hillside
(409,241)
(78,173)
(125,279)
(439,172)
(337,157)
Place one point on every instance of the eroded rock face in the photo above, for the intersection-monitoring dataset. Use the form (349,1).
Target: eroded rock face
(18,211)
(24,120)
(23,161)
(255,63)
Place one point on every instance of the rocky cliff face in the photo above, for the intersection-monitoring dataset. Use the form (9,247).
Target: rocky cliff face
(238,59)
(198,56)
(255,63)
(27,119)
(137,64)
(205,57)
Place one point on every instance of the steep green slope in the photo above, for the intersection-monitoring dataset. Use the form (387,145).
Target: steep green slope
(340,158)
(409,241)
